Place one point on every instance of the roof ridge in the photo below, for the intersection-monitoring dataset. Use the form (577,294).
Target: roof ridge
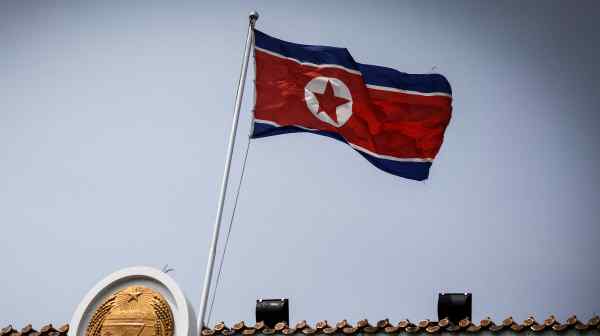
(551,323)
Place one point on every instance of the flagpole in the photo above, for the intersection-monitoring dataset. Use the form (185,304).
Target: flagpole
(253,16)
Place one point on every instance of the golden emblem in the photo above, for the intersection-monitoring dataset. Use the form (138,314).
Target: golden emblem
(133,311)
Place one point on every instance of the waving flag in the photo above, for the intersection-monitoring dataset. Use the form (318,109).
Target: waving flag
(394,119)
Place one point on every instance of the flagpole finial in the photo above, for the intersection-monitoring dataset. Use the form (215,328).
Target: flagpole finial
(253,16)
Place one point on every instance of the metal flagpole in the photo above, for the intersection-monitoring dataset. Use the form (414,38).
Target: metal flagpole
(253,16)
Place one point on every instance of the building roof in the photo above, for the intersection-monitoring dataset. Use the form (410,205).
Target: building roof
(363,327)
(47,330)
(406,326)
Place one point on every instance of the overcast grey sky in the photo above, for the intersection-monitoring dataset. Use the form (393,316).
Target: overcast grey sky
(113,127)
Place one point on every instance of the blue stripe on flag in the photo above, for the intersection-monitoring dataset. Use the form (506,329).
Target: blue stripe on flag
(372,74)
(305,53)
(388,77)
(412,170)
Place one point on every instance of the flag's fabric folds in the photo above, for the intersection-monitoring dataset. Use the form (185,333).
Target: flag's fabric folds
(394,119)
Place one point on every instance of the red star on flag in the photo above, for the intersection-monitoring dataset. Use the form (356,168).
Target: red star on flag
(328,101)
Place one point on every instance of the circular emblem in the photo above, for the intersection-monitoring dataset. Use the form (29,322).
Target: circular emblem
(136,301)
(329,100)
(133,311)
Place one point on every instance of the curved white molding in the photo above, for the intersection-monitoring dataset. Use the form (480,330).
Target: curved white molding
(138,275)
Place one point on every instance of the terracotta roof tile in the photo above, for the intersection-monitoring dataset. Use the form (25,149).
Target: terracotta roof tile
(391,329)
(572,320)
(308,331)
(321,325)
(517,327)
(381,324)
(403,324)
(330,330)
(342,324)
(349,330)
(537,327)
(432,329)
(260,325)
(249,331)
(528,322)
(486,322)
(301,325)
(412,329)
(239,326)
(507,322)
(423,324)
(443,323)
(280,326)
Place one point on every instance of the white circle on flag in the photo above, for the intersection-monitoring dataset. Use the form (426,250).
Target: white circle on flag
(319,85)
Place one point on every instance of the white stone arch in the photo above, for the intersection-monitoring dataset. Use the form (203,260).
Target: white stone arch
(161,282)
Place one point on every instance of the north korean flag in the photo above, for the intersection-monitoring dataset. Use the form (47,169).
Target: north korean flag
(394,119)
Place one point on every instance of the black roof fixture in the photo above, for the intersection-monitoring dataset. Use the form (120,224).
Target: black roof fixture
(272,311)
(455,306)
